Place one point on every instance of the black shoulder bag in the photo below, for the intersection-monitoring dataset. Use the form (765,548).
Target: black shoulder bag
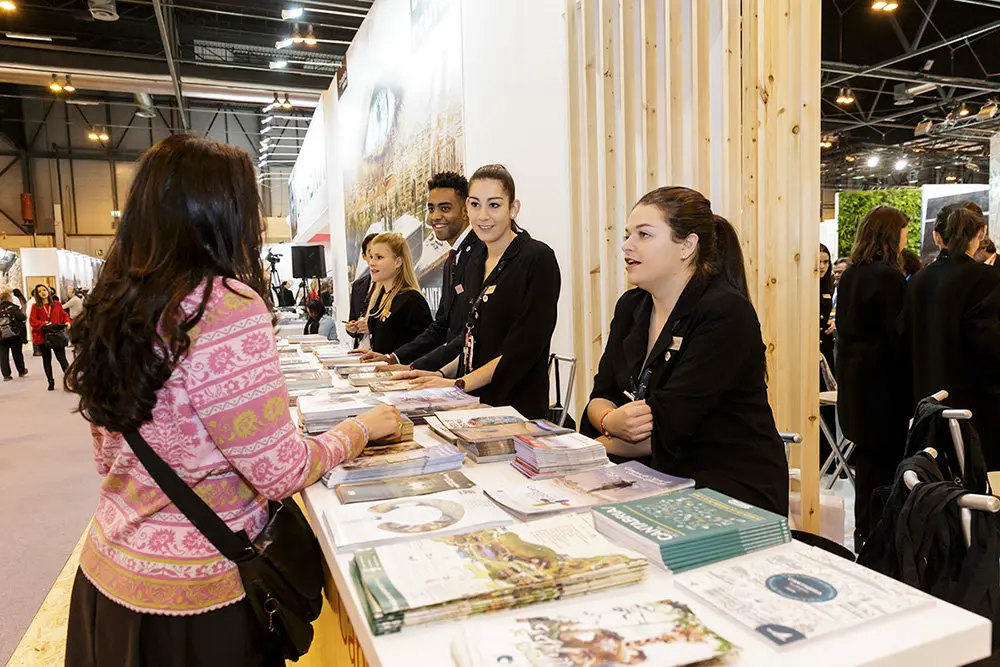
(282,570)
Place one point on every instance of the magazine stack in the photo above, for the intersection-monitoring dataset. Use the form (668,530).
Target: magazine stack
(691,528)
(610,484)
(557,455)
(401,459)
(318,413)
(446,578)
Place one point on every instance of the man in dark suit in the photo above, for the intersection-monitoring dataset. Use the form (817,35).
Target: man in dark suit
(361,290)
(441,341)
(285,296)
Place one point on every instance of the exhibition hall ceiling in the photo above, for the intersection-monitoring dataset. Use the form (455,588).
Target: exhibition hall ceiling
(909,94)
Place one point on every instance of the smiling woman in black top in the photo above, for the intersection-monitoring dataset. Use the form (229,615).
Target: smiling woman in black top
(512,284)
(682,377)
(397,311)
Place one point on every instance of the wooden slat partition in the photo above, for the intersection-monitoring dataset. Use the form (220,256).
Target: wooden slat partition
(654,86)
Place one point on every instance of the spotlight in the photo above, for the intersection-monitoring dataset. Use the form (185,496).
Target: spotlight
(826,143)
(850,158)
(890,6)
(273,105)
(291,13)
(283,43)
(873,161)
(287,104)
(278,64)
(103,136)
(310,38)
(297,37)
(951,177)
(879,4)
(68,86)
(964,111)
(55,86)
(7,5)
(901,164)
(92,135)
(846,97)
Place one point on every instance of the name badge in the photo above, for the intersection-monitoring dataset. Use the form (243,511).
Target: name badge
(675,344)
(459,289)
(491,289)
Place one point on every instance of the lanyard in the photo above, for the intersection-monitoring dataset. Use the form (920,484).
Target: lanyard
(472,322)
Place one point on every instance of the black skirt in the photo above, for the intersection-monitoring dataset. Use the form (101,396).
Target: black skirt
(103,633)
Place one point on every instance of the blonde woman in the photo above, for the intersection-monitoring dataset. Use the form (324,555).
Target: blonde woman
(397,311)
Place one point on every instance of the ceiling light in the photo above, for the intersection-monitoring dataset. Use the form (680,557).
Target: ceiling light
(873,161)
(278,64)
(310,39)
(274,103)
(950,177)
(826,143)
(7,5)
(879,4)
(858,177)
(267,119)
(287,104)
(846,96)
(92,135)
(283,43)
(850,158)
(103,136)
(291,13)
(901,164)
(890,6)
(297,37)
(964,111)
(24,35)
(68,86)
(55,86)
(987,111)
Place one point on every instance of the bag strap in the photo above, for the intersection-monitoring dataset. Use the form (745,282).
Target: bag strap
(234,546)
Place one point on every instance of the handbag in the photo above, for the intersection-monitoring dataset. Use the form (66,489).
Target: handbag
(282,570)
(55,335)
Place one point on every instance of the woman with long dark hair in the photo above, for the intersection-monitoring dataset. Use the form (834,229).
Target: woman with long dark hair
(682,377)
(872,375)
(178,346)
(952,326)
(48,323)
(319,322)
(826,337)
(512,283)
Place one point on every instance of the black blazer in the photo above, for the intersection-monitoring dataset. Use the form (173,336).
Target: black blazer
(706,388)
(874,398)
(408,316)
(359,300)
(442,340)
(951,323)
(515,320)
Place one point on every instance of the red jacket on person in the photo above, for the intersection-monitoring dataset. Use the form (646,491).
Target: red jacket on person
(42,315)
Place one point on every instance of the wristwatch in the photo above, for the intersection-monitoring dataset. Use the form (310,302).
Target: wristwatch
(460,384)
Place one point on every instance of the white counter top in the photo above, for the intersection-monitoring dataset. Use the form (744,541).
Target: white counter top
(938,636)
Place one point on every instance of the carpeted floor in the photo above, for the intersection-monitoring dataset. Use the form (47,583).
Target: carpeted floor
(48,491)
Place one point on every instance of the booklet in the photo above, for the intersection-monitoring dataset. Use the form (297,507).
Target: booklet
(653,634)
(445,423)
(402,487)
(508,431)
(401,519)
(800,594)
(610,484)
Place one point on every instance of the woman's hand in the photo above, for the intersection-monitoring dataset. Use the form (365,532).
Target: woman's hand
(414,375)
(361,324)
(381,422)
(352,327)
(632,422)
(372,355)
(431,382)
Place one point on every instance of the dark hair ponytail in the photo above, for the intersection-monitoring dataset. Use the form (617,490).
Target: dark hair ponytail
(963,225)
(729,263)
(686,212)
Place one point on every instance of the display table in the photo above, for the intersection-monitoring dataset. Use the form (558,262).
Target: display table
(939,636)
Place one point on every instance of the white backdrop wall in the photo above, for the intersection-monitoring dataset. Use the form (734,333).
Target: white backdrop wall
(516,111)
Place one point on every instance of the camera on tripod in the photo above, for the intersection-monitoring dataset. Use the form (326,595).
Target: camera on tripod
(273,258)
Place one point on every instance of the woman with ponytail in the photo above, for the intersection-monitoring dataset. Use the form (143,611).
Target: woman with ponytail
(682,377)
(951,322)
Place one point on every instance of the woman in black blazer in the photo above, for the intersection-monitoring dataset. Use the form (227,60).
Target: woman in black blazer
(682,377)
(397,311)
(872,374)
(512,284)
(951,323)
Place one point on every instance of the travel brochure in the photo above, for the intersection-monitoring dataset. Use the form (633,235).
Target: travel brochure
(691,528)
(797,595)
(557,455)
(653,634)
(402,459)
(610,484)
(461,575)
(402,487)
(368,524)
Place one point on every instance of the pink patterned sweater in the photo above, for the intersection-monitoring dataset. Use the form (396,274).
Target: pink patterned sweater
(222,423)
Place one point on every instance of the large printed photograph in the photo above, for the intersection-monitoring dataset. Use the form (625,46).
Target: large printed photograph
(401,120)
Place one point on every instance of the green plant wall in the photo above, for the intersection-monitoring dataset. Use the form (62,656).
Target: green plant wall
(855,204)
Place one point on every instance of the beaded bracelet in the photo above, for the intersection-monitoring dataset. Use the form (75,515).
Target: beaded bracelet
(604,431)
